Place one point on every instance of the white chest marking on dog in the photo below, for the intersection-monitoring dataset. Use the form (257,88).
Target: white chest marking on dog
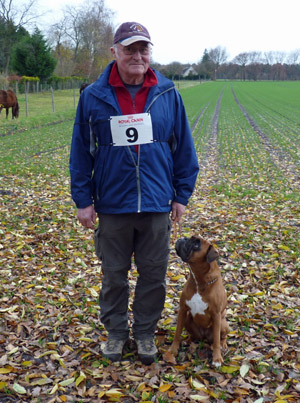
(197,305)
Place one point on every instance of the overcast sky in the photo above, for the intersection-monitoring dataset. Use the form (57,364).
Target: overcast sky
(181,30)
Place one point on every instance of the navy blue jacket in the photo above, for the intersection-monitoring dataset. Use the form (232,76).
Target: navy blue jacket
(117,179)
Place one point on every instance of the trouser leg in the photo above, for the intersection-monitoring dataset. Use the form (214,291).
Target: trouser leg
(151,247)
(113,302)
(116,237)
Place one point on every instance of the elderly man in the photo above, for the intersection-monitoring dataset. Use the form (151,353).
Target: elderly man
(133,165)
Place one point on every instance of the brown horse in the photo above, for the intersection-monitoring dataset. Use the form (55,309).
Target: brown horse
(83,86)
(8,100)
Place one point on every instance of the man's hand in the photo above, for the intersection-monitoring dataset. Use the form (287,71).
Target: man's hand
(87,216)
(177,212)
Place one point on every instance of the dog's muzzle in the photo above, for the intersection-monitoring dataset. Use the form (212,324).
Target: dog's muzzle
(185,247)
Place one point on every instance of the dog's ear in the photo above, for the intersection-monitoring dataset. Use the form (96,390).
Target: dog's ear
(212,254)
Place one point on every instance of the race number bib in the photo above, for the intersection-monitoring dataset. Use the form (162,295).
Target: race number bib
(128,130)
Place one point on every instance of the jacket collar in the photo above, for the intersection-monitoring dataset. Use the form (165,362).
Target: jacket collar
(103,90)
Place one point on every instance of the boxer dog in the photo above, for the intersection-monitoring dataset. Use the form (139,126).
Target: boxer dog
(203,299)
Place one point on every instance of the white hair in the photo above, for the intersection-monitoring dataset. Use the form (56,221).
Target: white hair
(115,47)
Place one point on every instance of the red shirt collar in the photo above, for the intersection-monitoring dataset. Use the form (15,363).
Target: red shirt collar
(116,81)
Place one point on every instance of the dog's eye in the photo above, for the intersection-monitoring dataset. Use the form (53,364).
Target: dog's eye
(197,245)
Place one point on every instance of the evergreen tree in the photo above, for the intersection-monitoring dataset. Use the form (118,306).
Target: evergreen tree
(32,57)
(205,57)
(9,35)
(2,44)
(15,17)
(205,68)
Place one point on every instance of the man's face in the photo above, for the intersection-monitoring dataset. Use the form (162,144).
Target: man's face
(133,61)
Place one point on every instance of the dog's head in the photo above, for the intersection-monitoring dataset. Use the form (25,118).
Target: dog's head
(195,249)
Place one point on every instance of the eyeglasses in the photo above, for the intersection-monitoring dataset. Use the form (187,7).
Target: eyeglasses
(131,50)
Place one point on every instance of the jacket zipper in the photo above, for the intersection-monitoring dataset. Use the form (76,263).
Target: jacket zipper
(138,183)
(137,166)
(137,170)
(157,96)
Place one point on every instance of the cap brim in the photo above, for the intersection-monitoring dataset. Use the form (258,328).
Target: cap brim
(136,38)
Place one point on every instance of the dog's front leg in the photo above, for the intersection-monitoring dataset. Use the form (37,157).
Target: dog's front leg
(217,356)
(180,324)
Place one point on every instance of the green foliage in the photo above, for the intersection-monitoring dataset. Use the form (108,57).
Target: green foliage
(205,57)
(32,56)
(31,79)
(2,36)
(10,34)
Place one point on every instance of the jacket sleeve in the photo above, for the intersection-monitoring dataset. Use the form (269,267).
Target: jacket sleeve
(81,159)
(186,165)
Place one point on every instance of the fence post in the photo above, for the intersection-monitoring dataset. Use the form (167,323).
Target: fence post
(52,99)
(74,96)
(26,97)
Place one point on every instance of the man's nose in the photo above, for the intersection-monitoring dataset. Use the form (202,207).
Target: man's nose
(137,54)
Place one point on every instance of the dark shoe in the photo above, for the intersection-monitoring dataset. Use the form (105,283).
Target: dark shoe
(113,349)
(146,350)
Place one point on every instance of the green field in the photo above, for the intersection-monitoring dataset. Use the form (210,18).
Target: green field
(246,202)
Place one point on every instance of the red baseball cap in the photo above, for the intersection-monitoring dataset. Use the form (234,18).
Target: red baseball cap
(130,32)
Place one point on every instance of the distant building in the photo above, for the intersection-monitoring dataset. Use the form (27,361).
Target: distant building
(189,71)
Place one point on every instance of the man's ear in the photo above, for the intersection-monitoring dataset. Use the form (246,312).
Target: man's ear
(212,254)
(113,52)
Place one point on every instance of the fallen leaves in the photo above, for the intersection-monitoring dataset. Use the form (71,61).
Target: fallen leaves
(19,389)
(50,334)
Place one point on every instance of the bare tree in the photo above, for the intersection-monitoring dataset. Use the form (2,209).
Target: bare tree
(218,55)
(279,57)
(254,57)
(269,57)
(293,57)
(21,16)
(254,65)
(61,49)
(174,69)
(87,31)
(96,36)
(242,59)
(14,18)
(278,71)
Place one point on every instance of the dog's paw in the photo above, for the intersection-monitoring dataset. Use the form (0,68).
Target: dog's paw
(217,363)
(217,360)
(173,351)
